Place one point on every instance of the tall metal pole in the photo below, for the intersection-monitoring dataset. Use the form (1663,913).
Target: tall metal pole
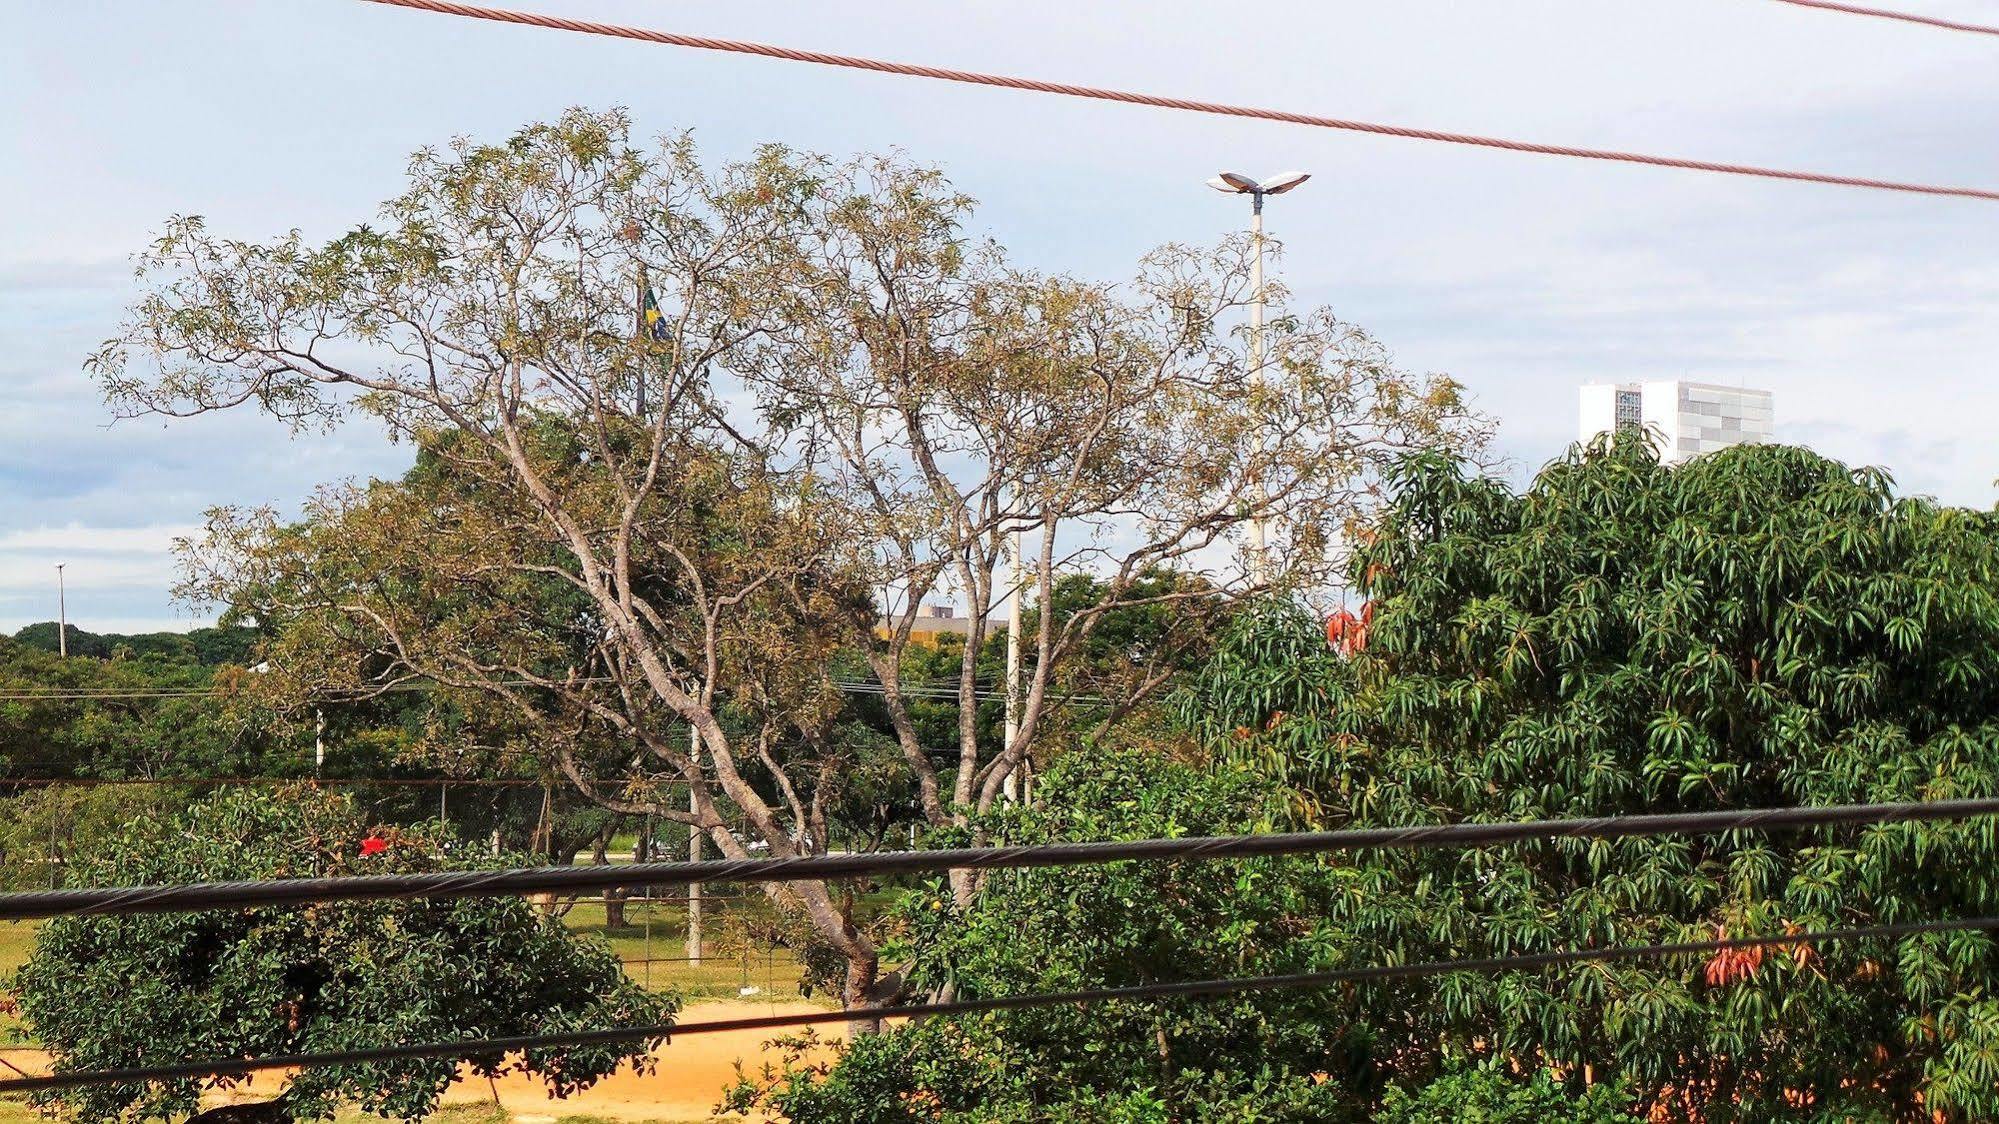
(62,614)
(1017,576)
(1259,565)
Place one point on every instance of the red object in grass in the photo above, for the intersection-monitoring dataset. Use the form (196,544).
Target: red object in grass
(374,845)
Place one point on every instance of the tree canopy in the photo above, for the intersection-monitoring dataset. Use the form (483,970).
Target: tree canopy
(1757,627)
(700,437)
(206,647)
(105,992)
(1274,1057)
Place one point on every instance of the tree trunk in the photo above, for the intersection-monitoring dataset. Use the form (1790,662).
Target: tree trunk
(859,994)
(614,898)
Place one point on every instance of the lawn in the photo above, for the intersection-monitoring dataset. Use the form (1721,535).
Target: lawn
(653,944)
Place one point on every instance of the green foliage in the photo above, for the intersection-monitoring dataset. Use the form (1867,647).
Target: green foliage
(1242,1058)
(1754,628)
(1487,1094)
(118,991)
(1275,696)
(129,730)
(204,647)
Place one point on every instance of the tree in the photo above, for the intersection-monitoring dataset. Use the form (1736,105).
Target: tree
(119,991)
(1272,1056)
(207,647)
(841,405)
(1257,1056)
(132,718)
(1757,627)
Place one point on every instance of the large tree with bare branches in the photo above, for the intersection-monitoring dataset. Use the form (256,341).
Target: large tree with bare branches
(844,407)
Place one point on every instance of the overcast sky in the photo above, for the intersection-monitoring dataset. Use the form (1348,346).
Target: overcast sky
(1872,317)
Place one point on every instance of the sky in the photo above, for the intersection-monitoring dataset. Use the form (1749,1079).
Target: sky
(1872,317)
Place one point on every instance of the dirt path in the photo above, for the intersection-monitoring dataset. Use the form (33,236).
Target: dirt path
(692,1073)
(689,1081)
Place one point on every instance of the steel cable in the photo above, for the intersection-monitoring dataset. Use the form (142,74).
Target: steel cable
(943,74)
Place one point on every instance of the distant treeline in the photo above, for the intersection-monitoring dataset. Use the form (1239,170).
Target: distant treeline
(208,647)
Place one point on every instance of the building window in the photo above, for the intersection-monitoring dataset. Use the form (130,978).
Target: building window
(1630,411)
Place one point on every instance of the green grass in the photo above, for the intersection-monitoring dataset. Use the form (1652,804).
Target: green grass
(724,971)
(17,940)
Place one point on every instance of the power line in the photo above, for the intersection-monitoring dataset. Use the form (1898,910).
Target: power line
(1887,14)
(942,74)
(22,905)
(1193,989)
(267,782)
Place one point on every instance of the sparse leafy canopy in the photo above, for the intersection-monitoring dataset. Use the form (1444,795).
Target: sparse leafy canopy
(848,406)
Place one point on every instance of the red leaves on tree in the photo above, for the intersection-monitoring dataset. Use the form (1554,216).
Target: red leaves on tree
(1732,965)
(373,845)
(1348,633)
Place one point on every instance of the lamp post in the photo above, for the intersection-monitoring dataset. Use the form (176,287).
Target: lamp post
(62,614)
(1235,183)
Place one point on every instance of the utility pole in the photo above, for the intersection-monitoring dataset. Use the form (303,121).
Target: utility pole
(1238,184)
(62,614)
(318,741)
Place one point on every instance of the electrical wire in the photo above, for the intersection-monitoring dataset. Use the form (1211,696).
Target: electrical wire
(1888,14)
(118,901)
(942,74)
(267,782)
(1192,989)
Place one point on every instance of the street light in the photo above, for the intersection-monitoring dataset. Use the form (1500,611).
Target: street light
(62,614)
(1235,183)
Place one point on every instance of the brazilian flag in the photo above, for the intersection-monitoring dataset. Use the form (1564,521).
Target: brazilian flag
(652,317)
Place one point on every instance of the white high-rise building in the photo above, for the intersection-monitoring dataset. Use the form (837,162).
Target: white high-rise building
(1689,418)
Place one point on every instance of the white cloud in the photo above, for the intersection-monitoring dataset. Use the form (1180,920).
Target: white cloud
(59,542)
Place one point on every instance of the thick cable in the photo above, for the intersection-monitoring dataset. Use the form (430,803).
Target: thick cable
(943,74)
(1889,14)
(1193,989)
(267,782)
(118,901)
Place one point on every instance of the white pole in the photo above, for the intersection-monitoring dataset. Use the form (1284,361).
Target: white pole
(62,614)
(1017,577)
(318,741)
(1259,571)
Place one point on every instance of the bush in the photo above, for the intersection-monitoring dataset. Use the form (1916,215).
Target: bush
(1488,1094)
(105,992)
